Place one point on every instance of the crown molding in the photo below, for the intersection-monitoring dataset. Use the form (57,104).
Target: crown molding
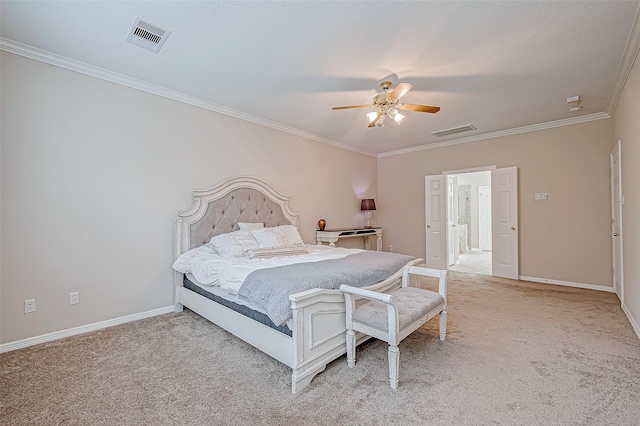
(631,52)
(101,73)
(628,59)
(501,133)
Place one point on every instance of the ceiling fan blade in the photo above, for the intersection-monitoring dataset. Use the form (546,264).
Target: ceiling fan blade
(419,108)
(399,91)
(373,123)
(352,106)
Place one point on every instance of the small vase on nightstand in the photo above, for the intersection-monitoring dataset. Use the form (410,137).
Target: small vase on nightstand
(321,224)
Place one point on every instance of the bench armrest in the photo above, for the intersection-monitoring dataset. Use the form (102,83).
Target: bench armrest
(427,272)
(367,294)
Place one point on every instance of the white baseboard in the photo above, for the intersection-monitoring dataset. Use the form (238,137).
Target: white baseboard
(633,322)
(568,284)
(19,344)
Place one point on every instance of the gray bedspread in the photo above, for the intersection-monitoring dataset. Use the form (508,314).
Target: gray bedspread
(270,288)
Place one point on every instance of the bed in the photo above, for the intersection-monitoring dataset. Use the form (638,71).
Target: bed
(314,334)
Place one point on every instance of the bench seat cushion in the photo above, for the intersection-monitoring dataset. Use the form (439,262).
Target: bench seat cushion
(412,303)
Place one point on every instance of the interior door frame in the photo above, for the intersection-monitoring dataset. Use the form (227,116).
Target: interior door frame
(461,171)
(441,262)
(440,256)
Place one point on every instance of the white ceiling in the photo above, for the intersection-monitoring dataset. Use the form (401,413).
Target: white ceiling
(497,65)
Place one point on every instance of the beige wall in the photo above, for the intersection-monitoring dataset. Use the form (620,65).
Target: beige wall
(566,238)
(93,174)
(626,127)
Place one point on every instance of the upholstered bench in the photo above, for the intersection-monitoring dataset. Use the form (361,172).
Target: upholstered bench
(393,316)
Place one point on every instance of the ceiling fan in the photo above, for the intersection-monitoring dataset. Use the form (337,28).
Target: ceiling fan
(388,104)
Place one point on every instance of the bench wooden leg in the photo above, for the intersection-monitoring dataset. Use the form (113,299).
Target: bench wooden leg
(351,348)
(443,325)
(394,366)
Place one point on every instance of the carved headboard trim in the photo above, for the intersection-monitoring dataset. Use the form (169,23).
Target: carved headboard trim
(218,210)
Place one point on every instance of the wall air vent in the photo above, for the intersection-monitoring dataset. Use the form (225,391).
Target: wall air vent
(147,36)
(451,131)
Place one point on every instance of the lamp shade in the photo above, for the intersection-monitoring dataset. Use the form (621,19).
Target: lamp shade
(368,204)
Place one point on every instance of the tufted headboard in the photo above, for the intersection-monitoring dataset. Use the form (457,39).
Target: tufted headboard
(219,209)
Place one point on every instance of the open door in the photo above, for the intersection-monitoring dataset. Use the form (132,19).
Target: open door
(504,206)
(616,221)
(436,221)
(452,220)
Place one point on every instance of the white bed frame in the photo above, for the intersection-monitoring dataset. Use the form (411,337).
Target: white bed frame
(318,323)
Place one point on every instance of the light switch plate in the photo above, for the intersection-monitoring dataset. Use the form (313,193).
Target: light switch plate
(541,196)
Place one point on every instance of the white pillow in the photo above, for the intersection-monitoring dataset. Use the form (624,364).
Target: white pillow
(269,237)
(291,234)
(246,226)
(234,244)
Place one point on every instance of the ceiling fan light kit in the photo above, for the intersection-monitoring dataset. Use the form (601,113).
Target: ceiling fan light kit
(372,116)
(393,113)
(388,104)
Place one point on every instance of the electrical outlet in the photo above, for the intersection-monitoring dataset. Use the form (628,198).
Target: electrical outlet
(390,248)
(74,298)
(29,306)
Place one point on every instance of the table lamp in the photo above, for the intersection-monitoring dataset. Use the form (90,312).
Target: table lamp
(367,205)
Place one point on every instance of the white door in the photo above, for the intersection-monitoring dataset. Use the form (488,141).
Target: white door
(452,219)
(484,203)
(504,200)
(436,222)
(616,221)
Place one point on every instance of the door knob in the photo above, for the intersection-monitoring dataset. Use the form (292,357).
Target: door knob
(615,234)
(428,226)
(513,228)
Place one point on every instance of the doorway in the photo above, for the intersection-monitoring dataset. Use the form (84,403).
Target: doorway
(504,220)
(469,217)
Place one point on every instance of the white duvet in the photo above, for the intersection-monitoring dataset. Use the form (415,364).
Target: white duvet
(209,268)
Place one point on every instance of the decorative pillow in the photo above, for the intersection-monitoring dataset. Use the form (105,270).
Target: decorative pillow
(234,244)
(269,237)
(278,251)
(291,234)
(246,226)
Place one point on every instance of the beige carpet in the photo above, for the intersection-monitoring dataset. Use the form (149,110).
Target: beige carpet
(517,353)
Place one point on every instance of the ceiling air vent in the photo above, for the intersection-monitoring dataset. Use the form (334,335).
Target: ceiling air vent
(147,36)
(451,131)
